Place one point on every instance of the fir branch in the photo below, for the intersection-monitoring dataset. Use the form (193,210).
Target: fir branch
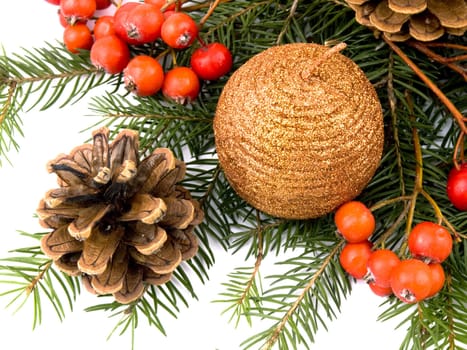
(157,303)
(298,316)
(242,293)
(33,274)
(244,288)
(51,74)
(293,308)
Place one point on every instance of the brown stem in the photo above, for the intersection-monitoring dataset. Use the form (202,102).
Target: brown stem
(392,104)
(36,279)
(443,60)
(392,228)
(458,149)
(390,201)
(170,2)
(259,259)
(208,13)
(210,188)
(449,105)
(292,11)
(448,46)
(196,7)
(20,81)
(449,311)
(418,171)
(7,104)
(456,58)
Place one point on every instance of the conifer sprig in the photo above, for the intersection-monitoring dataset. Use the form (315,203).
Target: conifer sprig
(52,75)
(31,274)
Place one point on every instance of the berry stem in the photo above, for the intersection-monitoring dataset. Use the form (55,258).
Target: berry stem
(441,219)
(458,149)
(419,181)
(390,201)
(174,57)
(418,186)
(201,41)
(163,54)
(382,239)
(170,2)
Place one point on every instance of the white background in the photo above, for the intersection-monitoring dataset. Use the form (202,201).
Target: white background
(29,23)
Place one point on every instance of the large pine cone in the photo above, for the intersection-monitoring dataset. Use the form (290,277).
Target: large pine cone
(423,20)
(118,222)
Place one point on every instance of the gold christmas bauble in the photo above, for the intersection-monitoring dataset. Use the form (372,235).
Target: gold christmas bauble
(298,130)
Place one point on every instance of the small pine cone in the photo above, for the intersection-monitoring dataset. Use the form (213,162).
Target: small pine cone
(423,20)
(118,222)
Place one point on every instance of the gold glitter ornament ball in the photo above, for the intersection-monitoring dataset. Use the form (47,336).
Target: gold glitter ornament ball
(298,130)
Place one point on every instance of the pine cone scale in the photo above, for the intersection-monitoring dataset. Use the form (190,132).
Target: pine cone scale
(180,213)
(133,287)
(98,250)
(451,13)
(384,17)
(156,279)
(59,242)
(111,280)
(100,155)
(409,7)
(165,260)
(154,244)
(81,228)
(146,209)
(68,264)
(427,26)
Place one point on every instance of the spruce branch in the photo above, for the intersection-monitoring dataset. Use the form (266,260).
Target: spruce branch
(296,303)
(272,339)
(32,274)
(52,75)
(244,286)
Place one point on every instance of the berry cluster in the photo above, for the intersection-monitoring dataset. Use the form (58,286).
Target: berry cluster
(114,40)
(412,279)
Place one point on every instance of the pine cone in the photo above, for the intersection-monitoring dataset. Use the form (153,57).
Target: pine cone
(423,20)
(118,222)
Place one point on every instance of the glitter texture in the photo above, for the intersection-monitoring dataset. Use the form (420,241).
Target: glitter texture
(297,139)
